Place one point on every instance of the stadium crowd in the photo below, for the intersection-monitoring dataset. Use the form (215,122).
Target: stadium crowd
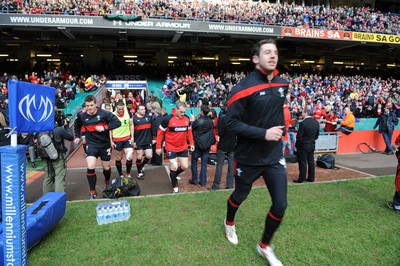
(361,19)
(366,96)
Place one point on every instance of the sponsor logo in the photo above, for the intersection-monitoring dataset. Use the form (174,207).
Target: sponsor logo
(180,129)
(281,90)
(28,108)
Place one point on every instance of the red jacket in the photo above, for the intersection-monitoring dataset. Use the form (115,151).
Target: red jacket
(177,133)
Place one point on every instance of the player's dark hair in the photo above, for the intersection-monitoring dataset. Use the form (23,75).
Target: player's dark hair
(257,46)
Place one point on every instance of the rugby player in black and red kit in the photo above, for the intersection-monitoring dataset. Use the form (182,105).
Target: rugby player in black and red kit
(255,116)
(96,124)
(143,139)
(177,130)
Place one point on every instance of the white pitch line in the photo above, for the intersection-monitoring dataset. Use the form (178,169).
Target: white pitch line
(356,171)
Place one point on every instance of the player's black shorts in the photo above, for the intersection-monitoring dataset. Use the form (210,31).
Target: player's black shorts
(249,173)
(143,147)
(98,151)
(275,178)
(173,155)
(125,144)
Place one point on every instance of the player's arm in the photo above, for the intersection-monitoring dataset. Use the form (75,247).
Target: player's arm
(132,129)
(234,117)
(112,121)
(77,129)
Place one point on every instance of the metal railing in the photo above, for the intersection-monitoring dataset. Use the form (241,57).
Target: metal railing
(327,142)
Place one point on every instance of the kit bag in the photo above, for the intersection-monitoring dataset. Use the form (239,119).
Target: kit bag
(326,161)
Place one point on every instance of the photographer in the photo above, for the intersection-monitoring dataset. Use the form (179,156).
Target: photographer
(56,170)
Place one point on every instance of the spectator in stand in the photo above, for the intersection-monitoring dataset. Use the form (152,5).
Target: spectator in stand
(181,93)
(89,84)
(347,122)
(204,138)
(331,120)
(386,123)
(61,101)
(166,92)
(194,98)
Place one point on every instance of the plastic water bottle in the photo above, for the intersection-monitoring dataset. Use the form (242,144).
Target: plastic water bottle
(100,215)
(111,213)
(114,211)
(120,213)
(126,210)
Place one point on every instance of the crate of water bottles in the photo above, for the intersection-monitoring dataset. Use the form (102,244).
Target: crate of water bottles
(113,211)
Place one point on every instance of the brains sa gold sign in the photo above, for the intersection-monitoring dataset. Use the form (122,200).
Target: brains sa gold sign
(373,37)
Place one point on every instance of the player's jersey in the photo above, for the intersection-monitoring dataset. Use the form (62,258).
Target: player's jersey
(177,132)
(85,124)
(142,127)
(124,131)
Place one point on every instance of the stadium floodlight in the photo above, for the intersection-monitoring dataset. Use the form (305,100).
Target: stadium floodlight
(309,61)
(43,55)
(130,56)
(4,55)
(338,63)
(172,57)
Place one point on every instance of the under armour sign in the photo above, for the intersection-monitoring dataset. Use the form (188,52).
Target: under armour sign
(31,107)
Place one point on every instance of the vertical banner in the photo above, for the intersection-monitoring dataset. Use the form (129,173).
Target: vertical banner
(31,106)
(31,109)
(13,190)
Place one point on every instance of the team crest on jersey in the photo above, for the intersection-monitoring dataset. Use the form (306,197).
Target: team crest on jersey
(238,171)
(98,117)
(281,90)
(262,93)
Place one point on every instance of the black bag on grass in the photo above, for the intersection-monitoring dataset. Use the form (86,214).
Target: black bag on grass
(122,187)
(326,161)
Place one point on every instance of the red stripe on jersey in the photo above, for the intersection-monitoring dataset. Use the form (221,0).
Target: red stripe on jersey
(144,126)
(121,138)
(249,91)
(92,128)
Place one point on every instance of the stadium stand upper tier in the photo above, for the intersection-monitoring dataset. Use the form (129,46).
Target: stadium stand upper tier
(360,19)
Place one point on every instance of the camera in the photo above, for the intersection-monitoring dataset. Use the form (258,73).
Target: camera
(61,118)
